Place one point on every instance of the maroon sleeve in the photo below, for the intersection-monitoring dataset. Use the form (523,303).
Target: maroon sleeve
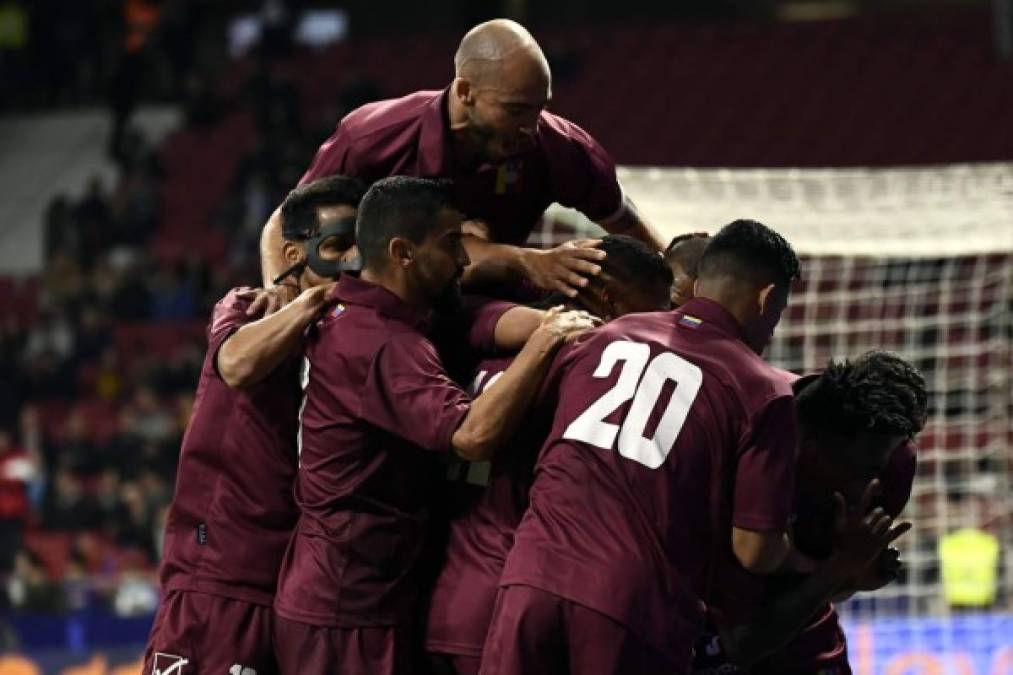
(898,477)
(408,393)
(332,157)
(480,316)
(228,316)
(765,472)
(582,172)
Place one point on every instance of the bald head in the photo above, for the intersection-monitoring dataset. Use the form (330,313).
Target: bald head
(489,47)
(501,86)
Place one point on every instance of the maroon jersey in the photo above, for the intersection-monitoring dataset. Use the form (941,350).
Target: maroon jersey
(409,136)
(492,498)
(668,431)
(378,408)
(821,646)
(233,511)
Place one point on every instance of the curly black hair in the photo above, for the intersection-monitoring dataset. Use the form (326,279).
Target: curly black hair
(750,250)
(299,210)
(634,262)
(878,392)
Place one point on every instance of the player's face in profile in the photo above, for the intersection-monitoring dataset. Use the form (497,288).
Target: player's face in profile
(831,463)
(440,261)
(505,114)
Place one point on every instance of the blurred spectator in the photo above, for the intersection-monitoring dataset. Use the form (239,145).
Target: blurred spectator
(136,594)
(151,422)
(135,530)
(52,337)
(75,450)
(93,218)
(29,589)
(17,469)
(131,299)
(68,507)
(174,295)
(109,375)
(76,586)
(94,331)
(61,234)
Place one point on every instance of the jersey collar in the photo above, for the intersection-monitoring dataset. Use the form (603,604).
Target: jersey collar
(356,291)
(707,311)
(434,137)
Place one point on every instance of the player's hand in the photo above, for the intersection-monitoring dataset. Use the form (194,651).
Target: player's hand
(883,571)
(565,268)
(559,325)
(267,301)
(861,535)
(314,300)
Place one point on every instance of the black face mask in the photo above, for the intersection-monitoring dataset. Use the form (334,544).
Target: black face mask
(331,269)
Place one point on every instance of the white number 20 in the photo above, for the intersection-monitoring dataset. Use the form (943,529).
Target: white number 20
(591,427)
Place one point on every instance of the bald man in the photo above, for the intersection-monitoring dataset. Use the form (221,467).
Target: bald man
(508,158)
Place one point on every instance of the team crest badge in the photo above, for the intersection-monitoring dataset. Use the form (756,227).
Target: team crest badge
(338,310)
(169,664)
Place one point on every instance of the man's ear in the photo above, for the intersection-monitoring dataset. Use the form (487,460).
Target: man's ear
(463,91)
(401,252)
(293,252)
(597,299)
(766,297)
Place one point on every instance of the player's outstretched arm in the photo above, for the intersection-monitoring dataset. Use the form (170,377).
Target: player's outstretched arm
(859,540)
(255,350)
(494,415)
(629,221)
(517,325)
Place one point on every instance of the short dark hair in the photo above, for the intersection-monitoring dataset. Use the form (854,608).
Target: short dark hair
(686,250)
(878,392)
(750,250)
(399,206)
(299,210)
(632,261)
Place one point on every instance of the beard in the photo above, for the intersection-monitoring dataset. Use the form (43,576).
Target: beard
(448,301)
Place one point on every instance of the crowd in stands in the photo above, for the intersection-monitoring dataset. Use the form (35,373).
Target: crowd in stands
(100,355)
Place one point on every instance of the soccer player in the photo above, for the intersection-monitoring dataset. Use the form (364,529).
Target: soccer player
(856,423)
(378,409)
(508,158)
(634,278)
(672,438)
(233,511)
(683,256)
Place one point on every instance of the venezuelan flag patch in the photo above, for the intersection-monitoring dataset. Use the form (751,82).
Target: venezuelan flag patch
(690,321)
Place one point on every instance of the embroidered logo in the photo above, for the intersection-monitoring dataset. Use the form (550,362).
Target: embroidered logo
(510,177)
(168,664)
